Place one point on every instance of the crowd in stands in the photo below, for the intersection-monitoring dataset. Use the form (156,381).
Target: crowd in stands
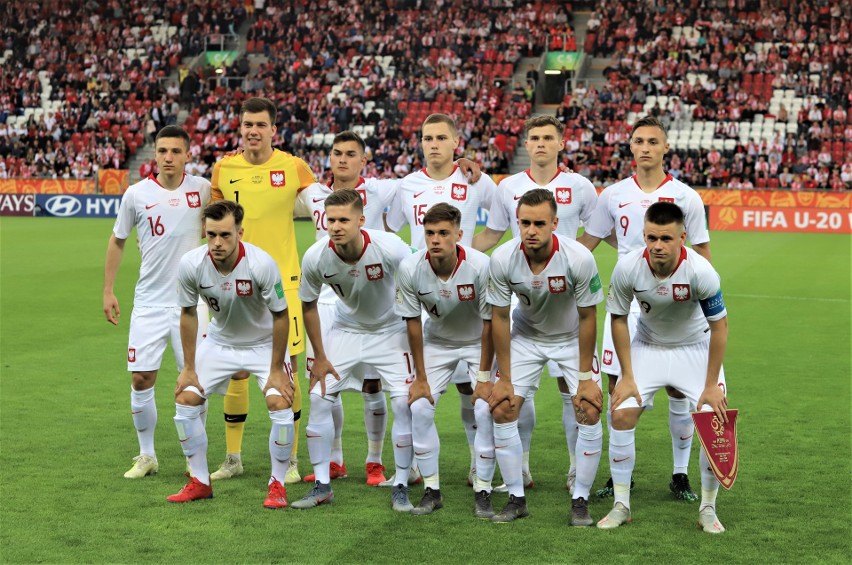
(768,81)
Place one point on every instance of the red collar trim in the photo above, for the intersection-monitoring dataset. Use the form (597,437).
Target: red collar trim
(240,254)
(529,174)
(680,259)
(461,257)
(665,180)
(366,237)
(361,181)
(152,177)
(553,250)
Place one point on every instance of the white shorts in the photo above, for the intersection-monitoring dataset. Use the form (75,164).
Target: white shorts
(683,367)
(609,360)
(444,363)
(387,353)
(529,358)
(215,364)
(326,314)
(151,328)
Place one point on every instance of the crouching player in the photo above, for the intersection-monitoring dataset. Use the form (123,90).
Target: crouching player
(242,286)
(680,342)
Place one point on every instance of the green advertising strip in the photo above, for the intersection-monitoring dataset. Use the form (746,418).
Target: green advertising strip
(220,58)
(559,60)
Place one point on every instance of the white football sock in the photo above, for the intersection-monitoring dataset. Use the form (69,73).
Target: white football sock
(569,423)
(484,446)
(337,418)
(468,419)
(427,444)
(376,422)
(280,442)
(622,460)
(403,452)
(320,435)
(507,447)
(681,429)
(193,440)
(589,446)
(526,424)
(709,482)
(143,409)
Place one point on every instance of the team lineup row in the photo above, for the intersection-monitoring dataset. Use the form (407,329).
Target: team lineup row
(363,293)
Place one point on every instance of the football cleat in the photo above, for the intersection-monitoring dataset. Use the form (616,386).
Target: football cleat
(528,483)
(143,465)
(580,513)
(292,477)
(482,505)
(376,475)
(471,477)
(194,490)
(618,516)
(708,521)
(277,497)
(681,489)
(399,499)
(335,472)
(431,501)
(607,491)
(516,508)
(414,478)
(320,494)
(231,467)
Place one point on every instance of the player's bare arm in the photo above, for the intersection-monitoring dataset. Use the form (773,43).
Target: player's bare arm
(587,390)
(322,366)
(486,239)
(612,239)
(279,379)
(115,251)
(590,241)
(503,390)
(713,394)
(188,337)
(486,359)
(702,249)
(626,386)
(420,387)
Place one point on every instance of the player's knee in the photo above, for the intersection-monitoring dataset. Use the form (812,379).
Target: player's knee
(371,386)
(482,413)
(587,414)
(241,376)
(674,393)
(143,380)
(464,388)
(624,419)
(503,413)
(189,398)
(274,401)
(422,411)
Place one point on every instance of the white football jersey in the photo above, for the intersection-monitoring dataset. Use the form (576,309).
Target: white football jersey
(365,289)
(675,310)
(623,205)
(547,302)
(241,301)
(377,195)
(168,224)
(456,307)
(418,192)
(575,200)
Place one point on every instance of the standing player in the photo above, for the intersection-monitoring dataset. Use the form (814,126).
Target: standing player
(442,181)
(621,207)
(575,200)
(166,211)
(242,286)
(681,301)
(558,286)
(359,266)
(266,182)
(449,282)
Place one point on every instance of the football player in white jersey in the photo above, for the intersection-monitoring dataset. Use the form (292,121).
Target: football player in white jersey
(558,287)
(442,181)
(679,342)
(621,210)
(449,282)
(575,200)
(241,284)
(166,211)
(359,265)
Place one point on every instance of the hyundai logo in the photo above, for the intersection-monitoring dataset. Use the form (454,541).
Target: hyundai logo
(63,205)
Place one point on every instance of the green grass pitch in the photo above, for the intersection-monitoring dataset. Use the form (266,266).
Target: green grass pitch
(66,435)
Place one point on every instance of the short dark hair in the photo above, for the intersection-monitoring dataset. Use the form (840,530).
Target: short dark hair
(258,104)
(440,119)
(174,132)
(349,135)
(538,196)
(648,122)
(540,121)
(219,209)
(345,197)
(664,213)
(443,212)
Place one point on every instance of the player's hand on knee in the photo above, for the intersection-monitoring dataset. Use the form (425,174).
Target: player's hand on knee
(420,389)
(589,391)
(186,378)
(319,370)
(483,391)
(715,399)
(626,388)
(279,380)
(502,391)
(111,309)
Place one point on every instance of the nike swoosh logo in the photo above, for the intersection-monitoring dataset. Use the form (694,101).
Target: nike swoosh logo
(206,287)
(620,460)
(685,438)
(318,200)
(281,444)
(515,283)
(232,181)
(151,206)
(421,454)
(137,412)
(403,446)
(485,457)
(295,343)
(309,436)
(417,194)
(517,198)
(587,454)
(379,413)
(184,440)
(637,290)
(328,276)
(423,293)
(625,204)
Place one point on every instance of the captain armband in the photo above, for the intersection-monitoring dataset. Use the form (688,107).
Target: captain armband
(714,305)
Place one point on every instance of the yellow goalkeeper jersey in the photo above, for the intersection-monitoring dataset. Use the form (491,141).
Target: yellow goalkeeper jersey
(268,194)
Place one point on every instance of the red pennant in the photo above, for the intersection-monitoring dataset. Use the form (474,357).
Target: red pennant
(719,441)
